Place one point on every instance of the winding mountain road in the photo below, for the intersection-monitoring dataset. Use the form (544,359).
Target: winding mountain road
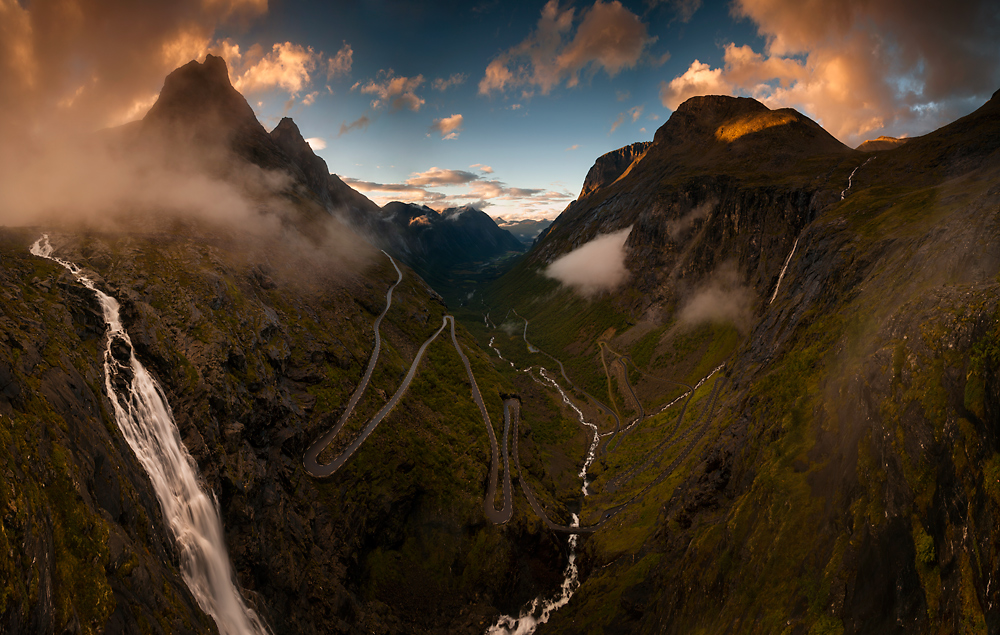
(318,470)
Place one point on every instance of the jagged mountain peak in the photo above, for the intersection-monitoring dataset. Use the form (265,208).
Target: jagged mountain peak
(200,92)
(287,125)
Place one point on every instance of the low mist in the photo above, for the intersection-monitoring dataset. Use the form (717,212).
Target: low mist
(593,267)
(93,181)
(723,298)
(154,178)
(677,228)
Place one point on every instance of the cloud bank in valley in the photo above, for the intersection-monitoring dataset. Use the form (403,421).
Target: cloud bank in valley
(593,267)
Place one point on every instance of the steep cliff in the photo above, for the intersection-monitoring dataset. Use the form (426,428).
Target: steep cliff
(608,167)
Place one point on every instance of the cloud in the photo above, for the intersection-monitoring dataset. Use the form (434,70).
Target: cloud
(677,228)
(286,66)
(859,68)
(340,64)
(82,65)
(444,84)
(394,91)
(316,143)
(609,37)
(619,121)
(310,99)
(698,79)
(358,124)
(449,127)
(685,8)
(369,186)
(478,191)
(436,177)
(723,298)
(575,146)
(596,266)
(632,113)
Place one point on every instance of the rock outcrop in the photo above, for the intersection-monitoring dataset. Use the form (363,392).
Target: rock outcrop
(882,143)
(608,167)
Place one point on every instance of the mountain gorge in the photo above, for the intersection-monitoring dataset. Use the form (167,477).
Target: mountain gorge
(844,479)
(780,417)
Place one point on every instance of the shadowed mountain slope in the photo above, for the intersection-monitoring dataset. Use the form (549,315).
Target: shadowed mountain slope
(257,334)
(846,480)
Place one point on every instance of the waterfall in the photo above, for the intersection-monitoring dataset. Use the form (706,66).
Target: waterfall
(594,442)
(781,275)
(539,611)
(145,419)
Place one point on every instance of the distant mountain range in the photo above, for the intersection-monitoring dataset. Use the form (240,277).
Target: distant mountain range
(526,230)
(199,105)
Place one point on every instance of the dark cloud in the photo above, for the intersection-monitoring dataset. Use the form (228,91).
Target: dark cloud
(609,37)
(360,123)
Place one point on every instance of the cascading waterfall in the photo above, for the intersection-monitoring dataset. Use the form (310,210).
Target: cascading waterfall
(850,179)
(145,419)
(539,611)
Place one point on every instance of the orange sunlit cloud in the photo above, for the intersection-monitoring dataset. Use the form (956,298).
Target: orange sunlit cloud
(393,91)
(449,127)
(859,68)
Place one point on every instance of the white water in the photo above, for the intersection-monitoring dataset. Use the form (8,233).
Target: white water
(492,339)
(592,452)
(709,376)
(851,178)
(784,267)
(539,611)
(144,418)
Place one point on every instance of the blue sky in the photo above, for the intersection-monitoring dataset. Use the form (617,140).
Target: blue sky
(500,104)
(543,142)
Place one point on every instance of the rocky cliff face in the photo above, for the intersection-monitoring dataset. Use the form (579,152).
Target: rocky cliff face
(612,165)
(846,480)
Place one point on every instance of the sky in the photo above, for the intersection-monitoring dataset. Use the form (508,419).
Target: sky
(500,104)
